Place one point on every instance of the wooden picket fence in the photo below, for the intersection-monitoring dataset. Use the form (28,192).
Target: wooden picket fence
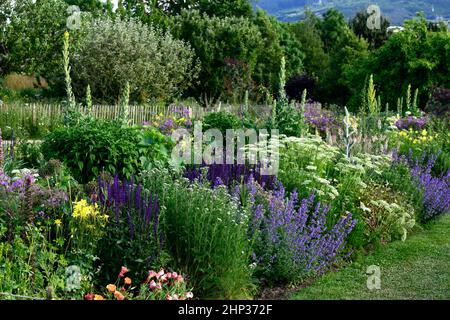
(138,114)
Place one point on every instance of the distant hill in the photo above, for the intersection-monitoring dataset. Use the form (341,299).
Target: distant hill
(397,10)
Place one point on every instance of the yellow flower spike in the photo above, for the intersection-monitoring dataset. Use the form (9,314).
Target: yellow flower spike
(66,34)
(58,222)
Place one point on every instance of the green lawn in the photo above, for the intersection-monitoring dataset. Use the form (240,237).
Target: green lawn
(418,268)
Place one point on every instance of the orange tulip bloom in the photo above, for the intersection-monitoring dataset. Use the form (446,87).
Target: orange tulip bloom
(98,297)
(119,296)
(127,281)
(111,288)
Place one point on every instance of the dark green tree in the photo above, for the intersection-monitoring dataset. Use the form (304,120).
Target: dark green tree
(267,67)
(375,37)
(307,32)
(5,15)
(414,56)
(332,29)
(95,7)
(220,8)
(219,43)
(34,37)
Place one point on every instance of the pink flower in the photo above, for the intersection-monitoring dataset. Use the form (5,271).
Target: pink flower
(189,295)
(89,296)
(168,275)
(174,275)
(123,271)
(175,297)
(163,278)
(180,278)
(151,275)
(153,285)
(169,297)
(158,286)
(160,273)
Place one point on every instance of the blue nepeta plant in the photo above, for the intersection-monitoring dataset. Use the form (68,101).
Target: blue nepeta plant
(291,236)
(435,190)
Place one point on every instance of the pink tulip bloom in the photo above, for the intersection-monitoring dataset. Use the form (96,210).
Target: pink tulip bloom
(153,285)
(160,273)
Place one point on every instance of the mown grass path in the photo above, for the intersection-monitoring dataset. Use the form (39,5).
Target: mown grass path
(418,268)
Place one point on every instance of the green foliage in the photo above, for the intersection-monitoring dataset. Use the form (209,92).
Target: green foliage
(387,214)
(347,52)
(308,164)
(431,141)
(308,34)
(413,57)
(215,39)
(267,67)
(33,37)
(375,37)
(30,266)
(289,120)
(221,121)
(29,154)
(95,7)
(21,121)
(156,65)
(95,145)
(124,105)
(206,233)
(239,8)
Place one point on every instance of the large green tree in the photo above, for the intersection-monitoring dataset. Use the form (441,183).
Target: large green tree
(93,6)
(220,8)
(34,37)
(115,51)
(376,37)
(267,68)
(221,44)
(332,29)
(414,56)
(308,32)
(5,15)
(278,40)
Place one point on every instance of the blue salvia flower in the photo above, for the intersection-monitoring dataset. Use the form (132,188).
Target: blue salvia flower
(130,202)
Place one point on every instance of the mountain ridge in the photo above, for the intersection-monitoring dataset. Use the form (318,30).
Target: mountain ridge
(397,10)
